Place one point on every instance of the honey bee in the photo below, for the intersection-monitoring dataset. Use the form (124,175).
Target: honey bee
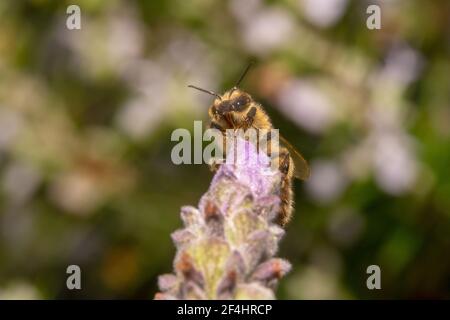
(236,109)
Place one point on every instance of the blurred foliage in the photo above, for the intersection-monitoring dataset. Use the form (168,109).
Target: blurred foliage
(86,117)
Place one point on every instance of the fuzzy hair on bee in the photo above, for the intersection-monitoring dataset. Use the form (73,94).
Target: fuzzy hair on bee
(236,109)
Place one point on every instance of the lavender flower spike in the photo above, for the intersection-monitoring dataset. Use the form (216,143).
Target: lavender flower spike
(227,246)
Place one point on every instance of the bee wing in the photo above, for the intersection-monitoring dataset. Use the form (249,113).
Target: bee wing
(301,166)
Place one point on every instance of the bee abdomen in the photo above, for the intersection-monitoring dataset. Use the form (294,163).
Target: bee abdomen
(287,203)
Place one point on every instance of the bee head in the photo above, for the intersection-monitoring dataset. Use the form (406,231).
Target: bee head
(235,101)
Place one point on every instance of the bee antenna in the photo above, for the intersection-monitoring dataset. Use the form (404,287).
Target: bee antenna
(206,91)
(244,74)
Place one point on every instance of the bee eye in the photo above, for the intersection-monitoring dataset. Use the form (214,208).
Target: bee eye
(224,107)
(240,103)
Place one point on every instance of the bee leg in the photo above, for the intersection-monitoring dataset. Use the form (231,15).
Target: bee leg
(249,117)
(215,125)
(285,161)
(215,163)
(266,142)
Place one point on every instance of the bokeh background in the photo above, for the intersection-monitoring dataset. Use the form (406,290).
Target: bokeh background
(86,117)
